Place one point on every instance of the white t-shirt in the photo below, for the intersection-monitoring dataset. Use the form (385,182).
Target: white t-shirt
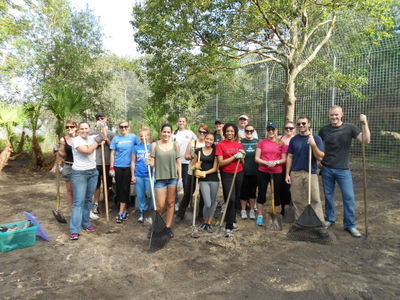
(82,161)
(183,137)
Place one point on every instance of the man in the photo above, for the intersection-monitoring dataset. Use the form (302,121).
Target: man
(101,122)
(297,166)
(219,136)
(337,137)
(243,122)
(183,137)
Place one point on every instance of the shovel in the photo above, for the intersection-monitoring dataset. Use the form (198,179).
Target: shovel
(159,235)
(364,183)
(56,212)
(275,220)
(195,233)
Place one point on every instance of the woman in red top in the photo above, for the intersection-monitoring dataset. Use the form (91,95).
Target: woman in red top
(270,155)
(228,157)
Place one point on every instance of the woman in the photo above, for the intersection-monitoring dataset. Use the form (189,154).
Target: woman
(140,173)
(249,186)
(120,166)
(189,153)
(286,198)
(168,173)
(270,155)
(65,152)
(230,155)
(209,181)
(83,178)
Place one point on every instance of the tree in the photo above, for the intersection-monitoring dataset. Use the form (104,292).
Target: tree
(197,36)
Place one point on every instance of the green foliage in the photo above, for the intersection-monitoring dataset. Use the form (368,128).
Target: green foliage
(10,117)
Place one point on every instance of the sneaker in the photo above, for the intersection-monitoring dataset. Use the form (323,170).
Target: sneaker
(209,228)
(235,227)
(74,236)
(95,208)
(176,206)
(252,215)
(243,214)
(93,216)
(89,228)
(328,224)
(203,227)
(171,234)
(120,218)
(354,232)
(125,215)
(228,233)
(140,220)
(260,220)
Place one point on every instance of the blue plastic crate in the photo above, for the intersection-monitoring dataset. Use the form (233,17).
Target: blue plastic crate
(17,239)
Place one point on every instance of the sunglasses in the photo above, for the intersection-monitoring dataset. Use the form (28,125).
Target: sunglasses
(69,126)
(123,127)
(301,123)
(249,131)
(100,118)
(203,132)
(270,129)
(289,128)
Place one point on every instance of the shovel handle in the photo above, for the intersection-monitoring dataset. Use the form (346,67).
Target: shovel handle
(272,195)
(196,192)
(150,177)
(105,188)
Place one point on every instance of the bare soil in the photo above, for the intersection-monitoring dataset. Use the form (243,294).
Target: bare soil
(113,262)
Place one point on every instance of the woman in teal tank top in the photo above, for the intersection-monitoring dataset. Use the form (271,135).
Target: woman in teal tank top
(168,173)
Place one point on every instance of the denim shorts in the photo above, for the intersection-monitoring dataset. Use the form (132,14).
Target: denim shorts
(66,172)
(164,183)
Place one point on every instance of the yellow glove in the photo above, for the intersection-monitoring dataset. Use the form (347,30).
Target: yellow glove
(200,174)
(196,165)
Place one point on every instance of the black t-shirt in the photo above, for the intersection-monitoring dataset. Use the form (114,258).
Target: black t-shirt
(337,142)
(207,163)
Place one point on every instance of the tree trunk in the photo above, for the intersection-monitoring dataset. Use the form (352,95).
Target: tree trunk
(21,142)
(37,152)
(5,155)
(290,97)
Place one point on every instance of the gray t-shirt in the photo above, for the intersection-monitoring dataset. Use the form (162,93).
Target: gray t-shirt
(107,151)
(337,142)
(82,161)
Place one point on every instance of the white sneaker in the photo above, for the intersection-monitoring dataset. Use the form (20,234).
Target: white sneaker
(243,215)
(252,215)
(235,227)
(93,216)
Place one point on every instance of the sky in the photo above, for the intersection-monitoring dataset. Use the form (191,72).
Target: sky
(114,17)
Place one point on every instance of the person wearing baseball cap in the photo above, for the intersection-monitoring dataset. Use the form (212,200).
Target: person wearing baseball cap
(243,121)
(219,136)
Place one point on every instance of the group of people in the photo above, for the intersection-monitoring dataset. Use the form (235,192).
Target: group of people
(232,155)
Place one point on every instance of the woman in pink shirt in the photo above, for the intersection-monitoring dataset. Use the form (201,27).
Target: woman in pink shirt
(270,155)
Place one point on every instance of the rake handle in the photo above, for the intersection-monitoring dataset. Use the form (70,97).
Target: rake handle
(229,193)
(196,194)
(150,177)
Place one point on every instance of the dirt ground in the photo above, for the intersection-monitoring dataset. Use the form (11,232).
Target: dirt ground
(113,262)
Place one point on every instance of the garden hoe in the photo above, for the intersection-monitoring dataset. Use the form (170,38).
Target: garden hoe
(159,234)
(275,220)
(56,212)
(195,232)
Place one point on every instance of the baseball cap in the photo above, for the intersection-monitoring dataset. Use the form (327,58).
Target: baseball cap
(243,117)
(100,115)
(219,121)
(271,124)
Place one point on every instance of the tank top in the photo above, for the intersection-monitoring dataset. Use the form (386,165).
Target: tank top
(207,163)
(68,152)
(165,165)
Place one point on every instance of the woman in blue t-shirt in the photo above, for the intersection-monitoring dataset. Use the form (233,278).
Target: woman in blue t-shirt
(120,166)
(140,173)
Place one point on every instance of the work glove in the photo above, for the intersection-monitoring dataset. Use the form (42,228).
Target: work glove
(147,160)
(196,165)
(179,186)
(99,138)
(100,124)
(112,172)
(200,174)
(240,155)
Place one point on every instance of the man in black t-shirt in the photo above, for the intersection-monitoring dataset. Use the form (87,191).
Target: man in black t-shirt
(337,138)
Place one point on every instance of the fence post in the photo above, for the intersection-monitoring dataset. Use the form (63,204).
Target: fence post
(334,87)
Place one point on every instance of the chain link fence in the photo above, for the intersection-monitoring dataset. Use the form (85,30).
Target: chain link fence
(259,93)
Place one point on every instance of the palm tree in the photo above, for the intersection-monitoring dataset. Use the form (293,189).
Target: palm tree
(10,117)
(32,111)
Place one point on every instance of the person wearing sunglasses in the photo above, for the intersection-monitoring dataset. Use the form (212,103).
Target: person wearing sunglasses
(122,147)
(270,155)
(338,137)
(65,152)
(286,198)
(101,126)
(249,185)
(243,121)
(183,137)
(189,154)
(298,167)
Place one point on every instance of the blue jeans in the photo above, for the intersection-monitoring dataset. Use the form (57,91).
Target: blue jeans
(143,188)
(83,187)
(344,179)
